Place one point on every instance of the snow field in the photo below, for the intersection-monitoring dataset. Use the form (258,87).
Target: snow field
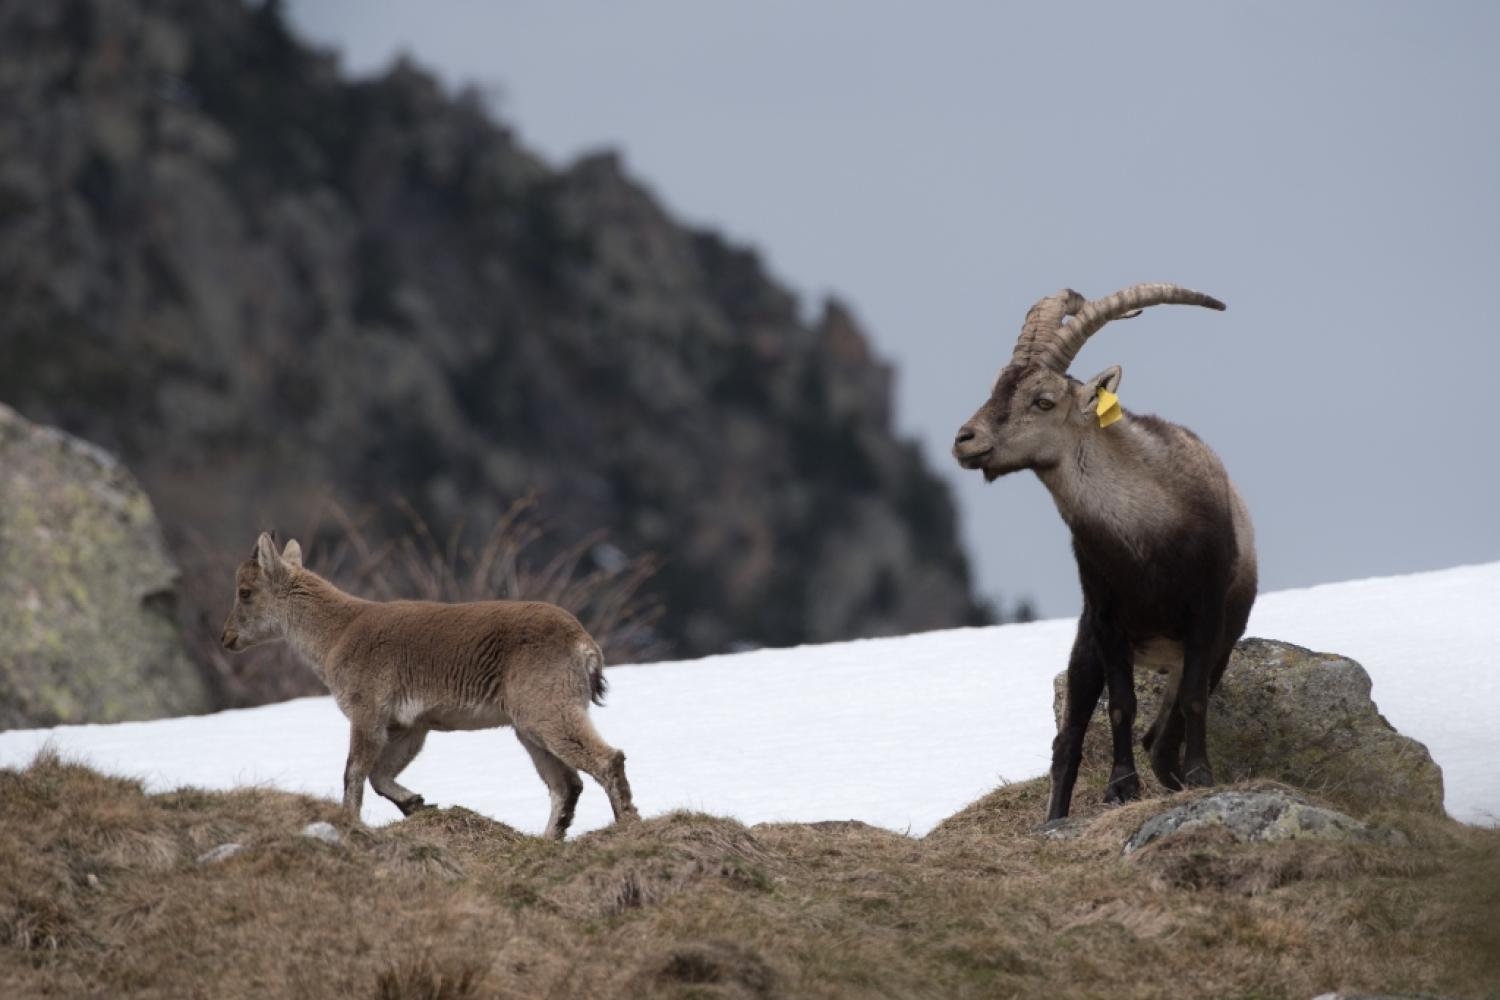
(897,732)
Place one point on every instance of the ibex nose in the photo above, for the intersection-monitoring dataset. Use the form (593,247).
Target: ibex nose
(964,434)
(229,638)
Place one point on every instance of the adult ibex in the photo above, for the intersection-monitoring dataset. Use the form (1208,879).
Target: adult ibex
(1165,551)
(398,669)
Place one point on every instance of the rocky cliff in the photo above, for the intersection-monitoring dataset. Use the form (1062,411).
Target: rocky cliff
(263,284)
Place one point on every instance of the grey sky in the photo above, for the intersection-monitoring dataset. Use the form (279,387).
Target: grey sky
(1330,170)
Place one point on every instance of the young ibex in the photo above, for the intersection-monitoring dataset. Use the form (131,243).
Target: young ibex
(1163,541)
(399,669)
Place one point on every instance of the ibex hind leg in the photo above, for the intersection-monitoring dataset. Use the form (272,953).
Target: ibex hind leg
(1163,741)
(563,784)
(1194,707)
(573,739)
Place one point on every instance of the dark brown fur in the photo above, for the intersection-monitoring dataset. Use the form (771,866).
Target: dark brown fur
(1165,557)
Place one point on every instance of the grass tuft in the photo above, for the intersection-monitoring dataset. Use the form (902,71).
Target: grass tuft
(425,979)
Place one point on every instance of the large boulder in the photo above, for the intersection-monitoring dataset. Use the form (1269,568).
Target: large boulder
(1295,716)
(88,629)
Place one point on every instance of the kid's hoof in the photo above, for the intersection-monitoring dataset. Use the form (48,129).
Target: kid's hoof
(411,805)
(1126,788)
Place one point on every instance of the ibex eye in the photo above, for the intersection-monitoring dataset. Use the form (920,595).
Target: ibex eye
(1043,403)
(246,593)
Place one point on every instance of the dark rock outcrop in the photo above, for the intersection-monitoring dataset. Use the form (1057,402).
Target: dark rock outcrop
(87,590)
(263,284)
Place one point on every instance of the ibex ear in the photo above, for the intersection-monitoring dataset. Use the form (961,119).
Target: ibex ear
(266,557)
(292,554)
(1108,380)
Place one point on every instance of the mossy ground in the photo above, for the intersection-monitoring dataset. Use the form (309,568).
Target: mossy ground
(101,894)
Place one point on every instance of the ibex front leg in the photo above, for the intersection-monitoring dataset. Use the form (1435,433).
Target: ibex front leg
(1119,668)
(365,744)
(401,748)
(1085,682)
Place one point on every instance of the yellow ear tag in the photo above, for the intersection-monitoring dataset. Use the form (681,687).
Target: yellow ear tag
(1109,407)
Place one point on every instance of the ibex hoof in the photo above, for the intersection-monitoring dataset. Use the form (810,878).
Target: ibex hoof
(1125,788)
(1198,776)
(1165,769)
(411,805)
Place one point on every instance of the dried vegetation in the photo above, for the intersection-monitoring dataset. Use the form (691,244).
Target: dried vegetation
(101,893)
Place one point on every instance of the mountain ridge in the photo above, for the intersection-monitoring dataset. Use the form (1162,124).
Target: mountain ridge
(265,285)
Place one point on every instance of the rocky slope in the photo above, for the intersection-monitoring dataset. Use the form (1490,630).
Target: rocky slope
(264,284)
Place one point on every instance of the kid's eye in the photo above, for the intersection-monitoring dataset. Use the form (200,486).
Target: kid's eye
(1043,403)
(246,593)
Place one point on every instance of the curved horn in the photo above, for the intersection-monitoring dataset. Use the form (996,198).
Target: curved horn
(1042,321)
(1059,353)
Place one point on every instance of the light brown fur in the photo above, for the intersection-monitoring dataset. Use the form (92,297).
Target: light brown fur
(400,669)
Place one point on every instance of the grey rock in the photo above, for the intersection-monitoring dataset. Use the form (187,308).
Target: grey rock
(1291,715)
(221,853)
(324,831)
(1257,817)
(88,592)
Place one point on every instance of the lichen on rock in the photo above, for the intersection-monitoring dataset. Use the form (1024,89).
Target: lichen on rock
(1256,816)
(88,630)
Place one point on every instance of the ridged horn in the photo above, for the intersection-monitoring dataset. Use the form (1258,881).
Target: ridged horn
(1069,338)
(1042,321)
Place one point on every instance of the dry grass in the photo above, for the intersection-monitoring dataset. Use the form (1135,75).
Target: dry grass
(100,894)
(605,589)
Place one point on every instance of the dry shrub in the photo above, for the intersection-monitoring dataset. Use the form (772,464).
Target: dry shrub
(590,578)
(463,827)
(423,978)
(32,922)
(713,968)
(650,862)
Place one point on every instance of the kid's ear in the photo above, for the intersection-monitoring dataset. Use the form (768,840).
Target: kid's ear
(1108,379)
(292,554)
(266,557)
